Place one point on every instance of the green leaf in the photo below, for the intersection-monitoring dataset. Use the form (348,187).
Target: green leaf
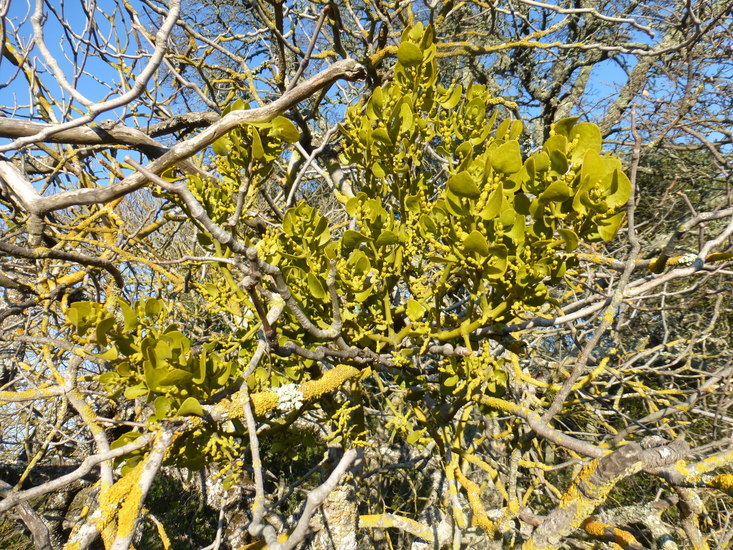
(462,185)
(596,168)
(285,130)
(559,162)
(502,129)
(352,239)
(173,377)
(315,286)
(200,367)
(541,162)
(558,191)
(414,437)
(133,392)
(522,203)
(103,327)
(427,225)
(475,110)
(381,135)
(387,237)
(409,54)
(222,145)
(563,126)
(588,138)
(129,315)
(359,297)
(223,375)
(516,129)
(378,171)
(108,378)
(153,307)
(476,242)
(570,238)
(620,190)
(449,102)
(163,404)
(406,118)
(507,158)
(360,262)
(258,150)
(493,205)
(415,310)
(190,406)
(413,203)
(451,381)
(517,232)
(608,228)
(124,439)
(416,32)
(82,316)
(110,355)
(554,143)
(238,105)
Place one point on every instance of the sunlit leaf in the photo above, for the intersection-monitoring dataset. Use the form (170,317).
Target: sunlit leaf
(462,185)
(190,406)
(507,158)
(409,54)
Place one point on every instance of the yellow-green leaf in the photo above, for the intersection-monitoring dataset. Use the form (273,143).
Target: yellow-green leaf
(557,191)
(493,205)
(221,146)
(609,227)
(257,150)
(462,185)
(409,54)
(476,242)
(570,238)
(563,126)
(620,190)
(162,406)
(191,406)
(285,129)
(507,158)
(387,237)
(415,310)
(315,286)
(587,137)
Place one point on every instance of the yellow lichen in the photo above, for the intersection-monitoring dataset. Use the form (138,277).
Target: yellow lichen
(116,503)
(331,380)
(723,482)
(473,493)
(264,401)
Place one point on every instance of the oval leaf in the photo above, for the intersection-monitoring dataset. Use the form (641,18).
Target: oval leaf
(558,191)
(387,237)
(476,242)
(409,54)
(507,158)
(563,126)
(315,286)
(191,406)
(493,205)
(587,137)
(285,129)
(462,184)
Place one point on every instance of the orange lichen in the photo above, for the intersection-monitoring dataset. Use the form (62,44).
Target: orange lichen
(609,533)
